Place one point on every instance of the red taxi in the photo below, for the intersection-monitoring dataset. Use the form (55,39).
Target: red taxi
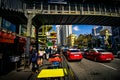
(99,55)
(74,54)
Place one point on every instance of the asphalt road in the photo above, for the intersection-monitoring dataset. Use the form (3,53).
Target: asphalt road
(91,70)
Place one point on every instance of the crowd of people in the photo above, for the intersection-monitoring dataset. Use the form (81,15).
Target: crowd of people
(36,57)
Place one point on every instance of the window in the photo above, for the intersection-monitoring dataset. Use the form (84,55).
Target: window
(101,50)
(74,50)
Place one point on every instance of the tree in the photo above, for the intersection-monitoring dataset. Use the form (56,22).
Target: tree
(85,40)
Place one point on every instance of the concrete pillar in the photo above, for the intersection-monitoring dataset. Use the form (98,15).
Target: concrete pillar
(29,28)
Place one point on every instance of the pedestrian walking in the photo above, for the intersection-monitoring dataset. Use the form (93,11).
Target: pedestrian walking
(47,53)
(30,55)
(50,52)
(34,60)
(40,58)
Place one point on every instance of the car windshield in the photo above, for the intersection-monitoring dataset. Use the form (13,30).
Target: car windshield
(101,50)
(74,50)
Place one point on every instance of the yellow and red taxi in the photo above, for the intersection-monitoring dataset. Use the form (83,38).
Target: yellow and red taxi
(74,54)
(99,55)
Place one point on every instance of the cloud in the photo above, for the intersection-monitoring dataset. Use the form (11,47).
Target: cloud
(76,28)
(57,25)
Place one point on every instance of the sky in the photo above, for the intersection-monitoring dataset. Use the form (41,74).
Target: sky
(80,29)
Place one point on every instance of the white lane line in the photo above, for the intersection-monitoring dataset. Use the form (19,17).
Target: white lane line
(117,59)
(108,66)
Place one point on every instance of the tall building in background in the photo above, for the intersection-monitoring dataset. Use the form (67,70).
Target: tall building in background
(63,31)
(101,33)
(58,34)
(116,38)
(96,30)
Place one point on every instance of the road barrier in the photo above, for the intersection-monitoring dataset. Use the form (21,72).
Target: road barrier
(71,75)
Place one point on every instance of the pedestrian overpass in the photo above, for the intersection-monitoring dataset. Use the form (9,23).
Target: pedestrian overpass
(76,14)
(40,13)
(61,14)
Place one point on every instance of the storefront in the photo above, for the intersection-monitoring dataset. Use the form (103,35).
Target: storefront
(7,36)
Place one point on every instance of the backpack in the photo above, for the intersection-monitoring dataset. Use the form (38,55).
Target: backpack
(34,57)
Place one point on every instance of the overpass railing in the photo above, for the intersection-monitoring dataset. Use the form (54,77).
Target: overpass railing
(74,9)
(13,5)
(67,9)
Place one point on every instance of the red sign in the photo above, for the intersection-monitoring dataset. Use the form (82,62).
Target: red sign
(6,37)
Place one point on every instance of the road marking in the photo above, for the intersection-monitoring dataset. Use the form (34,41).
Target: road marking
(108,66)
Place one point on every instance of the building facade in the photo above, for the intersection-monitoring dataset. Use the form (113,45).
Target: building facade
(63,31)
(103,33)
(71,40)
(116,38)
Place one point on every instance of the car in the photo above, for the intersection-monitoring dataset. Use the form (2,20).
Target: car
(118,54)
(74,54)
(83,50)
(99,55)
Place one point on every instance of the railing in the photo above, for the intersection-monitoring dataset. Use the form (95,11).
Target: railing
(15,5)
(74,9)
(66,9)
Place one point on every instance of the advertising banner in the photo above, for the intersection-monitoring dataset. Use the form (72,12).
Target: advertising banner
(57,1)
(8,26)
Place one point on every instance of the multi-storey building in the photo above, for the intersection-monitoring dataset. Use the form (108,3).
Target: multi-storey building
(102,33)
(63,32)
(116,38)
(71,40)
(58,34)
(96,31)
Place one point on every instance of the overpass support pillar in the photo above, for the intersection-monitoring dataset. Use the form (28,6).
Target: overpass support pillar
(29,16)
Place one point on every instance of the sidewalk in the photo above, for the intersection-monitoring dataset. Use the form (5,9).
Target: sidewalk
(21,74)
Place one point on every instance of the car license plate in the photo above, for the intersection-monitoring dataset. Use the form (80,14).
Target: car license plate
(76,55)
(108,59)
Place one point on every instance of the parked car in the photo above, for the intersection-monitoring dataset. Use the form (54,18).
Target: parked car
(118,54)
(99,55)
(74,54)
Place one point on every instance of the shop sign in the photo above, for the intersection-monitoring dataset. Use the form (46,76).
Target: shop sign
(6,37)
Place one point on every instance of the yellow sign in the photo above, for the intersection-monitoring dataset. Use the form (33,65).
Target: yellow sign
(47,73)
